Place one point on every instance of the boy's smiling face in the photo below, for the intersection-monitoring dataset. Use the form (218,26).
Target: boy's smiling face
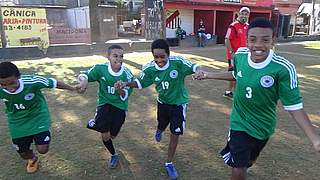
(260,41)
(116,58)
(160,57)
(10,84)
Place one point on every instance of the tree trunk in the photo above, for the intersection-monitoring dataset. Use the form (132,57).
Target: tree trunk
(94,23)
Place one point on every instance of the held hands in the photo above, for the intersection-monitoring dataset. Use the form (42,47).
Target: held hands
(120,85)
(199,75)
(81,87)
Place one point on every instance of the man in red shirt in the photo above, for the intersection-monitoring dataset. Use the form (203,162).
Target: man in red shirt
(236,37)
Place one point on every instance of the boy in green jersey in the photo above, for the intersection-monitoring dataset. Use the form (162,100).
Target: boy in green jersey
(262,78)
(168,74)
(27,111)
(112,103)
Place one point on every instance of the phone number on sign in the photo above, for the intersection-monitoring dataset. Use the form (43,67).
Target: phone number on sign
(19,27)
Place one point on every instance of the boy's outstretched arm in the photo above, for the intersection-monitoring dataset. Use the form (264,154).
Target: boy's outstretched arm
(62,85)
(120,84)
(305,124)
(218,75)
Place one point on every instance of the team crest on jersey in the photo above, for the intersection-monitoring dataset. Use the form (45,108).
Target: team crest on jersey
(266,81)
(174,74)
(29,96)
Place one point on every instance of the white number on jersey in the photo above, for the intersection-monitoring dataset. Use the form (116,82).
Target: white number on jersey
(111,90)
(19,106)
(249,92)
(165,84)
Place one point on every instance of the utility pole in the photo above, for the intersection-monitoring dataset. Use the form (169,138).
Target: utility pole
(94,24)
(312,18)
(154,19)
(3,34)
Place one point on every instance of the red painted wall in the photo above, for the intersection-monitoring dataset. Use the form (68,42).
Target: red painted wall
(254,15)
(204,9)
(224,19)
(257,2)
(207,17)
(243,2)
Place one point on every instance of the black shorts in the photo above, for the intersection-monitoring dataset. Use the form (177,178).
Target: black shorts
(242,150)
(173,114)
(23,144)
(108,118)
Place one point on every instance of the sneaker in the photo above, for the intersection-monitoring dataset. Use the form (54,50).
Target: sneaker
(114,161)
(158,135)
(228,94)
(171,170)
(33,165)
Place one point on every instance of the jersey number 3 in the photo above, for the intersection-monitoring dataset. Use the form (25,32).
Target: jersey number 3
(249,92)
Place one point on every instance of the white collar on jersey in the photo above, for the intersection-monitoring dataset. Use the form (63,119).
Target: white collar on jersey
(164,67)
(115,73)
(261,64)
(19,90)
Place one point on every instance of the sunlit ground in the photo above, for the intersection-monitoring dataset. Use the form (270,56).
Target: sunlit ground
(78,153)
(313,44)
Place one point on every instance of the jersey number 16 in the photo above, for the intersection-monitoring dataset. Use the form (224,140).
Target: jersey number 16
(19,106)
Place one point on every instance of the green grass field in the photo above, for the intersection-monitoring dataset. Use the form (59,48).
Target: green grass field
(78,153)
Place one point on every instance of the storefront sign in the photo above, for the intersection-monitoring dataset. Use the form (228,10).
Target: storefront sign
(69,35)
(25,27)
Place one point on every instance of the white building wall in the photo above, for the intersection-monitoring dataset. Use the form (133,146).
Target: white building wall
(79,17)
(187,20)
(8,2)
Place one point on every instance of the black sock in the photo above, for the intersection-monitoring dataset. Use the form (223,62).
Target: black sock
(108,144)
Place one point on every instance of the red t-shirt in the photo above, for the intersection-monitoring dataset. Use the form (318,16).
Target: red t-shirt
(237,34)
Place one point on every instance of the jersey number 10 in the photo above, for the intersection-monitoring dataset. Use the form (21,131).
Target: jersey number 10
(111,90)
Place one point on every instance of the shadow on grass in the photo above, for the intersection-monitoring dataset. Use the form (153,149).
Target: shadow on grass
(78,153)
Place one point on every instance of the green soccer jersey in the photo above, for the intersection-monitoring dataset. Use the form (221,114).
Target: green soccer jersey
(104,75)
(169,80)
(258,88)
(26,109)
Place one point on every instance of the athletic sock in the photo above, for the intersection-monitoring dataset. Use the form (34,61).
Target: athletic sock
(109,145)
